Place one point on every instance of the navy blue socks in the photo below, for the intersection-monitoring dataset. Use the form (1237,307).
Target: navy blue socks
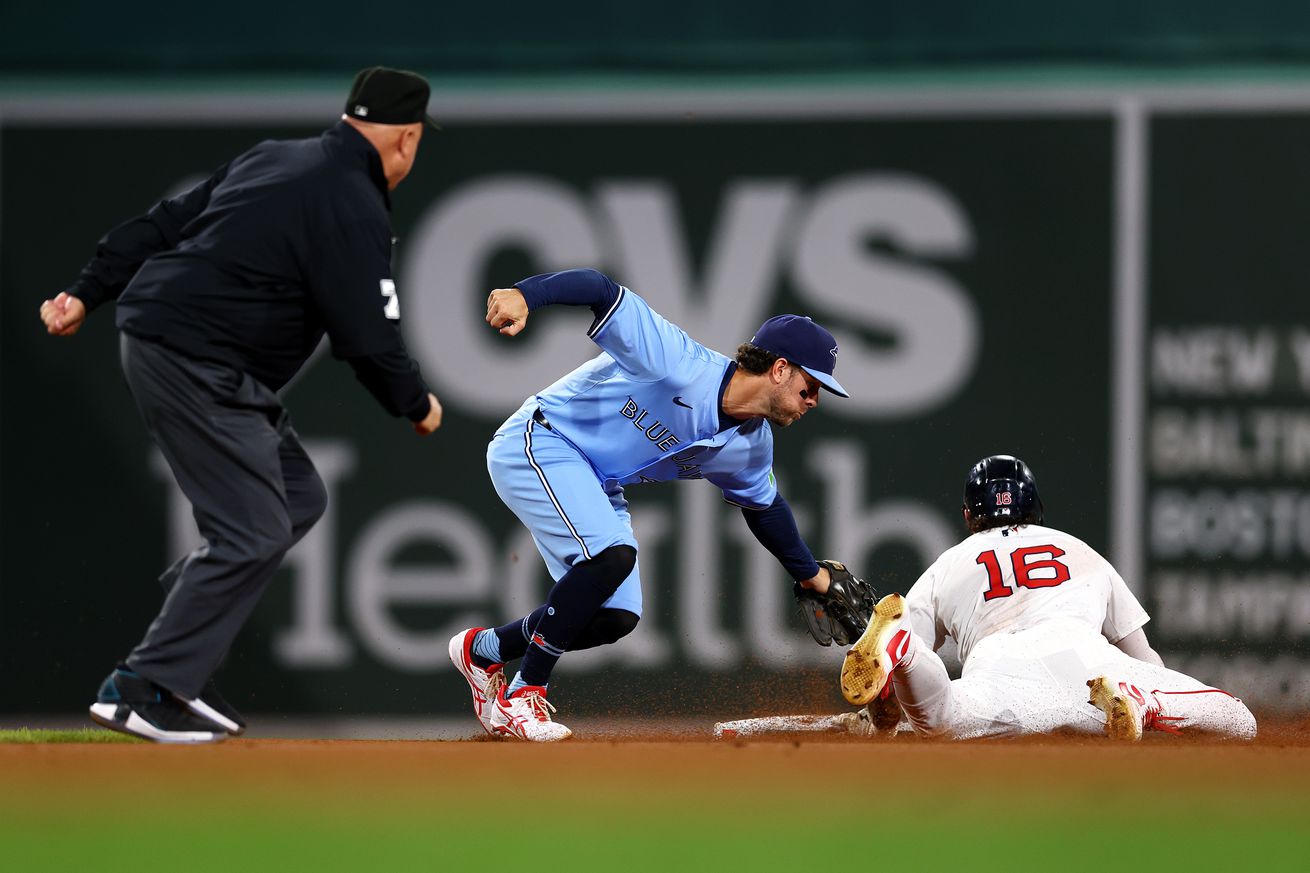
(574,603)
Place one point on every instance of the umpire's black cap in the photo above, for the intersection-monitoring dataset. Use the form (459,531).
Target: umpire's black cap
(386,96)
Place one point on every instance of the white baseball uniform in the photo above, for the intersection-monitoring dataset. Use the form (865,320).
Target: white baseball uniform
(1035,613)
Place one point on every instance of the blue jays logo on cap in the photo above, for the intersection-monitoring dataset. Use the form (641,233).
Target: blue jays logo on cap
(803,343)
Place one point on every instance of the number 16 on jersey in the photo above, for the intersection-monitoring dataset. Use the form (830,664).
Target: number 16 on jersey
(1027,573)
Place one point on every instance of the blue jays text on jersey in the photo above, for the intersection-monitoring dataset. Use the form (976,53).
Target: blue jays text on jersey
(656,431)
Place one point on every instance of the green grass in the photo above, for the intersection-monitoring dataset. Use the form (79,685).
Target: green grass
(425,825)
(80,735)
(658,838)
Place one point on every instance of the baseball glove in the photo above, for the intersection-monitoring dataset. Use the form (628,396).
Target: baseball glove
(840,614)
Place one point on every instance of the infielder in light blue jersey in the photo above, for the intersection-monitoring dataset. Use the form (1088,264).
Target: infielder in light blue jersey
(654,406)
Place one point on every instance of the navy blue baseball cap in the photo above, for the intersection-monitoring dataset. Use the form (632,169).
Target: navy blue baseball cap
(803,343)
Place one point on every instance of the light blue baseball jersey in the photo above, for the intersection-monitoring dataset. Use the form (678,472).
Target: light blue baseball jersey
(647,410)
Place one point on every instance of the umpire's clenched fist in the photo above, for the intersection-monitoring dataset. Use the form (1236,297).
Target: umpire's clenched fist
(433,419)
(63,315)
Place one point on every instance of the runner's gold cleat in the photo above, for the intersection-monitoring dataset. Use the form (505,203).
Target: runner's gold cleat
(869,664)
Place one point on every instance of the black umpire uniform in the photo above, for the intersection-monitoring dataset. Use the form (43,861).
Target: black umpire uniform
(223,293)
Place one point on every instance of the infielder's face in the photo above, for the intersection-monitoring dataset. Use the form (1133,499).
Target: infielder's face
(796,395)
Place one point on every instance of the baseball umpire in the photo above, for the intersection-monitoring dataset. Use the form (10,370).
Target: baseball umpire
(223,293)
(655,406)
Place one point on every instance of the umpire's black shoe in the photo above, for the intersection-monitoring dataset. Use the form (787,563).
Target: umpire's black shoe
(211,705)
(132,704)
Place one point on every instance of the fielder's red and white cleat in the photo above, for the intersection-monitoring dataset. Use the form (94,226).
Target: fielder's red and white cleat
(483,684)
(884,644)
(526,714)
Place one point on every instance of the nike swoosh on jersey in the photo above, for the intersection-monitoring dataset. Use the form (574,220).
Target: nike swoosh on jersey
(678,400)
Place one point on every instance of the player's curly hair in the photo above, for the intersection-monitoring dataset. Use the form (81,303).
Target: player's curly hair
(754,359)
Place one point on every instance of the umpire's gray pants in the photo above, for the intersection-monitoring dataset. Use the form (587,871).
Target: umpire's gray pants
(253,491)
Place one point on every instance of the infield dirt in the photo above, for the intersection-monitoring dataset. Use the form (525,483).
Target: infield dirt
(774,764)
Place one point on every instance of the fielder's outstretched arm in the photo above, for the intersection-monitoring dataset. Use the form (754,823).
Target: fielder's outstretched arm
(775,528)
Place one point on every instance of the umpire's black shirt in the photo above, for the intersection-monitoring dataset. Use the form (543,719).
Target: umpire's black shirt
(288,241)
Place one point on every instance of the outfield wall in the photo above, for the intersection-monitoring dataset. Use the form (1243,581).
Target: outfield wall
(1103,281)
(597,37)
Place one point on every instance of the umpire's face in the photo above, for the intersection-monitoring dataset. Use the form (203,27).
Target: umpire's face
(403,151)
